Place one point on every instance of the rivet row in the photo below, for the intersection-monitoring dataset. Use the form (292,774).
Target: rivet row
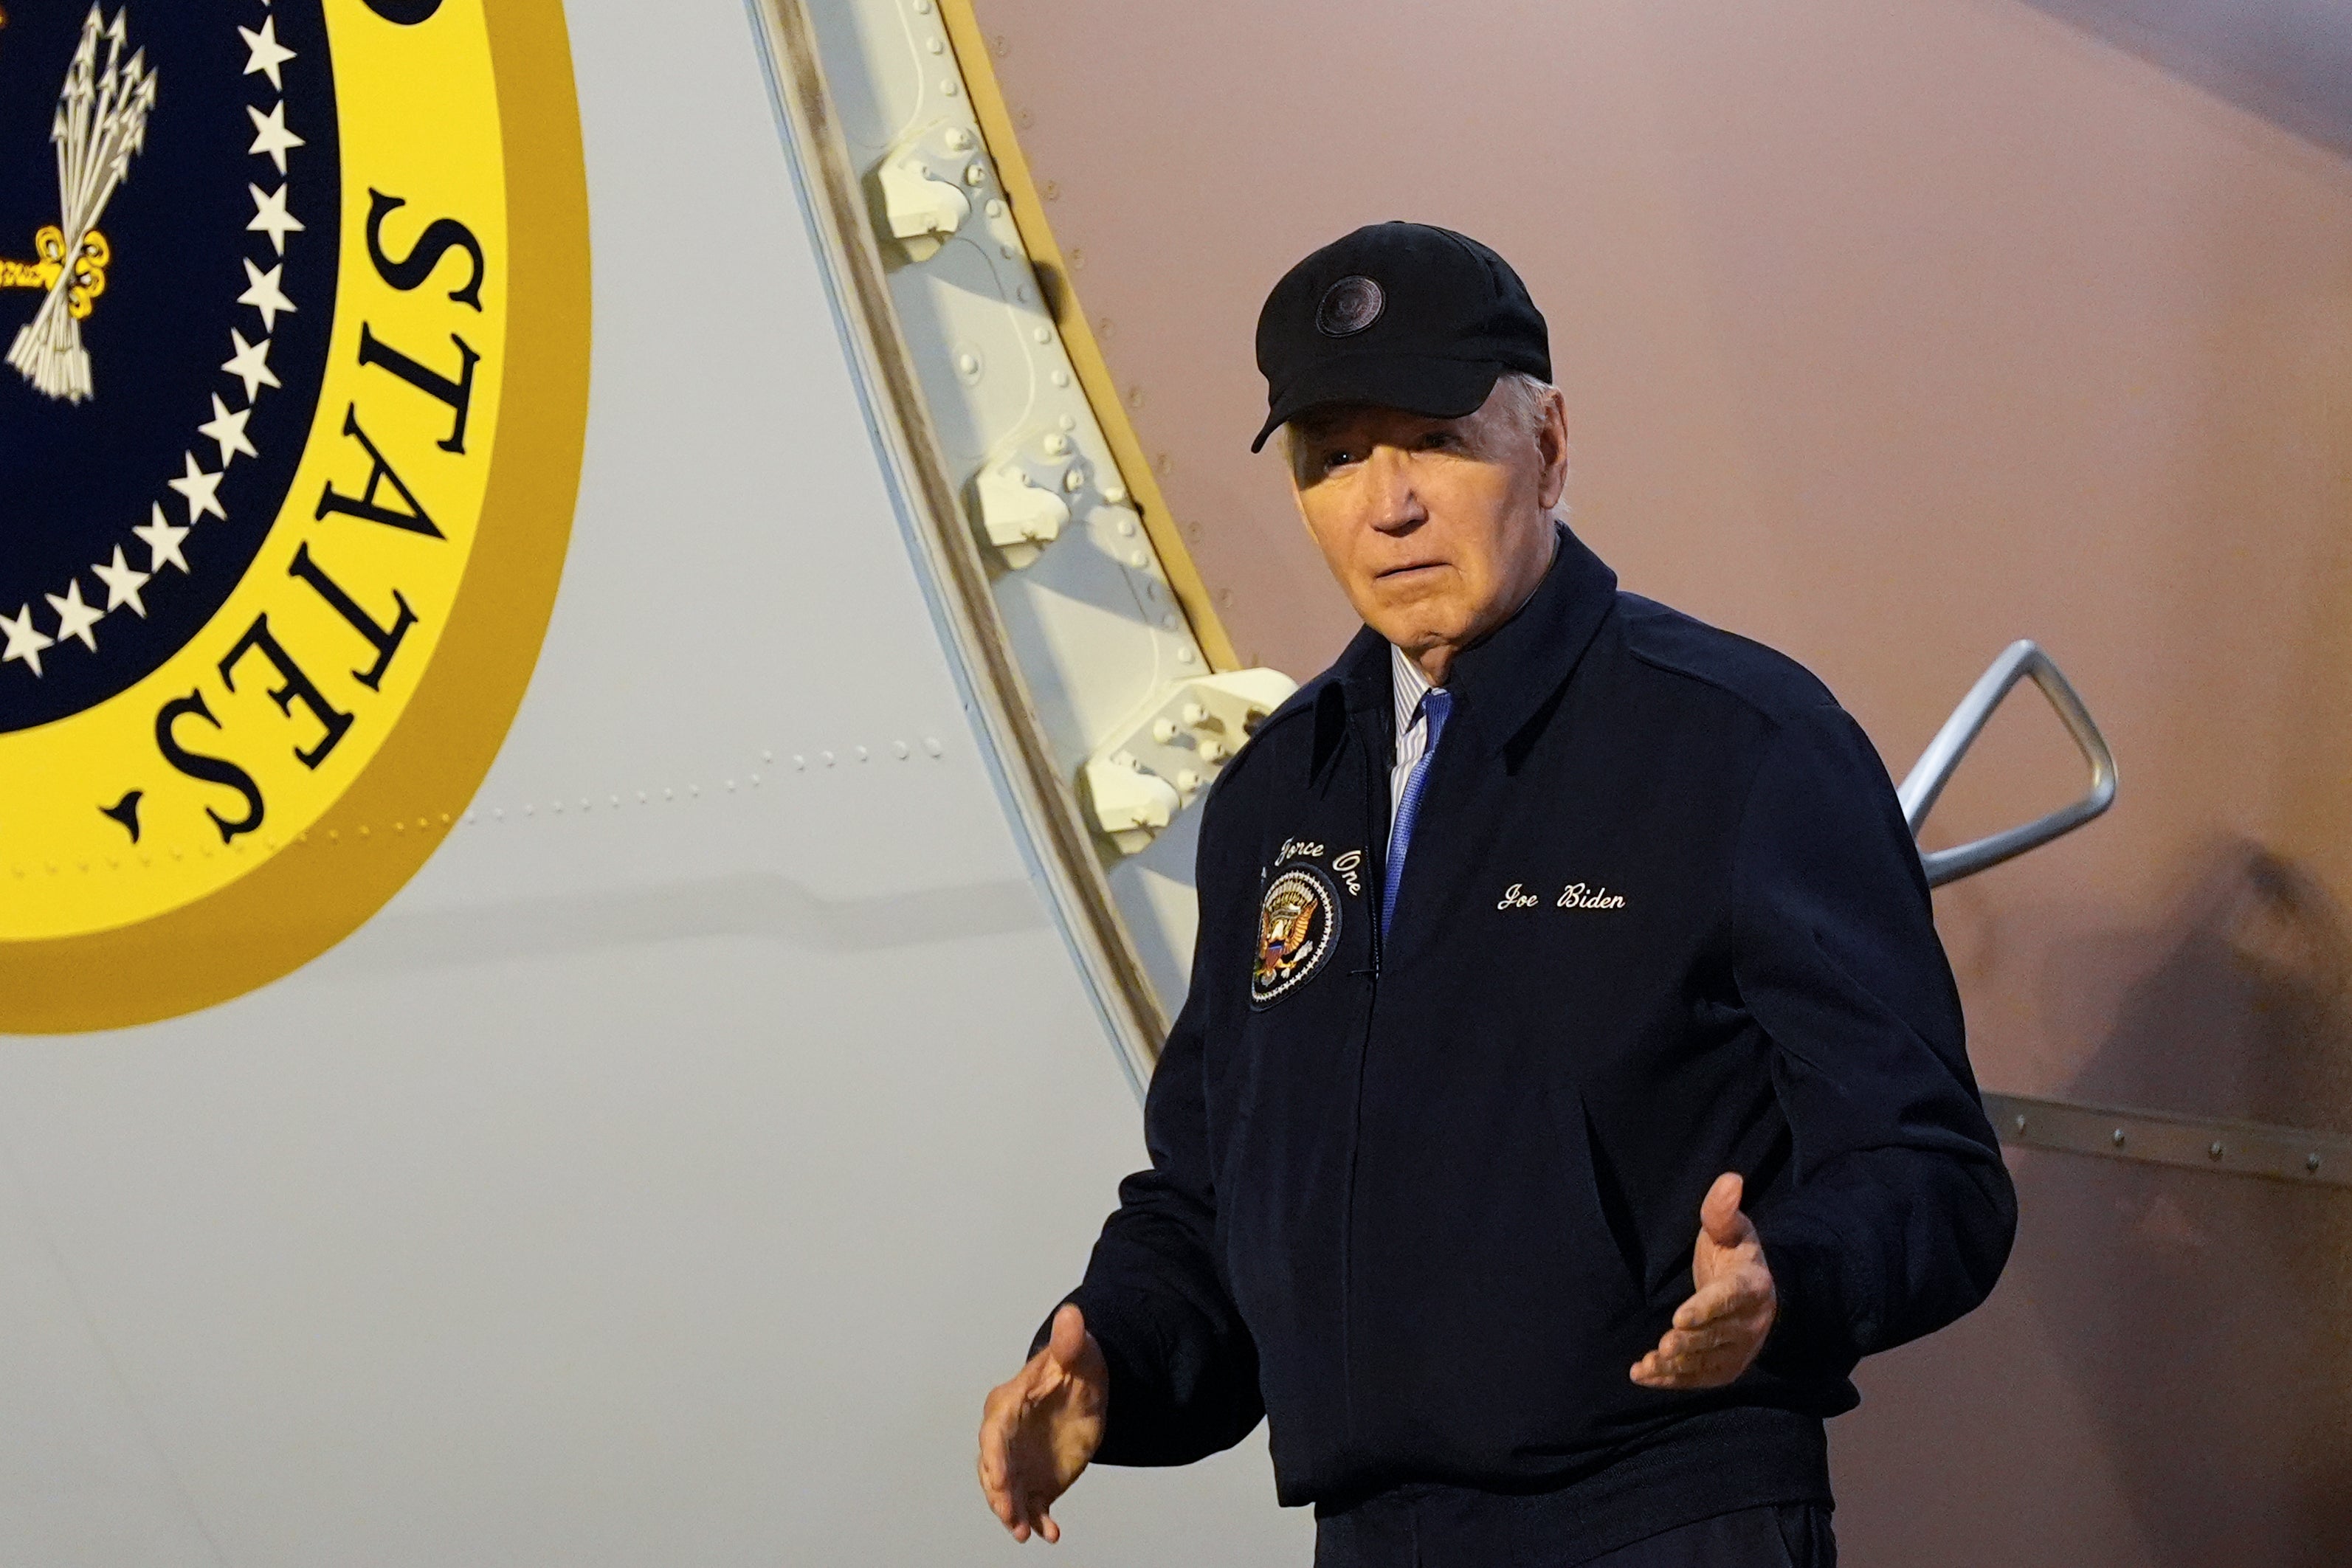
(931,746)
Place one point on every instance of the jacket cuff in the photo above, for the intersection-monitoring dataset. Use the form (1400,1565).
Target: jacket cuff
(1131,1388)
(1812,1330)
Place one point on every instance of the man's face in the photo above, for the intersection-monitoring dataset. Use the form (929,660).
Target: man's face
(1438,529)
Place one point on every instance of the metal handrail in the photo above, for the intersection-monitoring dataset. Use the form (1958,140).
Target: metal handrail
(2224,1145)
(1935,765)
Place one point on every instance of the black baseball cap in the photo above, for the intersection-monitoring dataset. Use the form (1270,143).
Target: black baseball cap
(1397,315)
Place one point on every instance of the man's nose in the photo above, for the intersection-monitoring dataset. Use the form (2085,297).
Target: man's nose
(1393,505)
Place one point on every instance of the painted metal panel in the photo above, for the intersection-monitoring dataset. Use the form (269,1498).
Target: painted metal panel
(666,1172)
(1890,333)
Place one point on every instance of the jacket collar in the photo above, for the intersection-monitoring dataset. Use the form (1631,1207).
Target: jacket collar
(1499,683)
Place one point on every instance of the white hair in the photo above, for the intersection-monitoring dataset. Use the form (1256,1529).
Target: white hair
(1520,405)
(1525,403)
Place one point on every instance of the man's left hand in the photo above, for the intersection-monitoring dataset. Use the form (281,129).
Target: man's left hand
(1719,1330)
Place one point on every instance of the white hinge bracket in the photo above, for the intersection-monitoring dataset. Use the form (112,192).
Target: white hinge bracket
(1174,748)
(1017,514)
(921,208)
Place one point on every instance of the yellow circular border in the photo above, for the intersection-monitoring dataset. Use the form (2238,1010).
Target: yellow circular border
(306,898)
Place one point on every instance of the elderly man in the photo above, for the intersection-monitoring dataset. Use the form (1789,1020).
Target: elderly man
(1572,1087)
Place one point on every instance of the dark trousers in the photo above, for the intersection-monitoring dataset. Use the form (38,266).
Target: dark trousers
(1431,1529)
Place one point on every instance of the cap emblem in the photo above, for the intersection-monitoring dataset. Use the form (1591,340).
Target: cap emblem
(1348,306)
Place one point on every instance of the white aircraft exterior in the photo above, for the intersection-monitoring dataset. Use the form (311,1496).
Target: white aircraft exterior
(661,1162)
(662,1175)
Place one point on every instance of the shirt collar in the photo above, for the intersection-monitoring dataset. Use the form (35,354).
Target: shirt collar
(1408,683)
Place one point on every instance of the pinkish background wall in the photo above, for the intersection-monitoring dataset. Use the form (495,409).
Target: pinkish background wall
(1890,331)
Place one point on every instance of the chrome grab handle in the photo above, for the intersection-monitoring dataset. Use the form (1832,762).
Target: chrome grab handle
(1936,764)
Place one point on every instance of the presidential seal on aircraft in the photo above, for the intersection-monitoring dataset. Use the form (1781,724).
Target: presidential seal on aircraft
(294,300)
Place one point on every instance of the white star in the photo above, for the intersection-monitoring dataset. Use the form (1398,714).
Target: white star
(199,487)
(162,541)
(270,217)
(75,619)
(227,430)
(265,295)
(250,364)
(123,583)
(24,643)
(265,53)
(270,135)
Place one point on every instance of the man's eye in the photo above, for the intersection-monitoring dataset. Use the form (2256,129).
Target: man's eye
(1338,457)
(1437,440)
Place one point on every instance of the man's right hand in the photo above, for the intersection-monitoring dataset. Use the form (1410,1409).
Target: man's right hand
(1037,1431)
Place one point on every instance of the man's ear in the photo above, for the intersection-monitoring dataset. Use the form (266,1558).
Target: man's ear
(1551,441)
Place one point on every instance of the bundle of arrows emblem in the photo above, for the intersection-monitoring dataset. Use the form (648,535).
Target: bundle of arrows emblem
(101,121)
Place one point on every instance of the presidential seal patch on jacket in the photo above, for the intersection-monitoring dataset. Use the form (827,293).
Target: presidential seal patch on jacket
(294,297)
(1297,928)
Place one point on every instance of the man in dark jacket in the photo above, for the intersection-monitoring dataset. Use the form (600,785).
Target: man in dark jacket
(1571,1087)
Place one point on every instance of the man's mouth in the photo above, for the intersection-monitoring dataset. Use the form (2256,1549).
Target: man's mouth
(1395,572)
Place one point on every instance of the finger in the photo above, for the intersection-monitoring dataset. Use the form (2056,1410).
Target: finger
(1718,1214)
(1033,1385)
(991,1449)
(1738,1335)
(1000,1503)
(1047,1528)
(1669,1342)
(1069,1336)
(996,1485)
(1712,1369)
(1676,1364)
(1740,1341)
(1733,1329)
(1704,1306)
(1009,1401)
(1003,1501)
(1003,1406)
(1746,1291)
(1691,1341)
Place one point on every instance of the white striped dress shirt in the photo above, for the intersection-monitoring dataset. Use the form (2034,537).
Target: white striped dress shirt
(1409,686)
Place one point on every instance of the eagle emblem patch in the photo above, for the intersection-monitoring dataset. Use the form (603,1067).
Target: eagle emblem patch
(1297,928)
(293,328)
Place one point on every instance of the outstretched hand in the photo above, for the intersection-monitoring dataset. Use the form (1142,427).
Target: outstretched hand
(1719,1332)
(1039,1431)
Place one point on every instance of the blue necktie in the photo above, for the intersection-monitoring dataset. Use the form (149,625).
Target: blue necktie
(1435,706)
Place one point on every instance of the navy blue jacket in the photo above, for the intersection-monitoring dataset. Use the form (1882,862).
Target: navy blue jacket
(1424,1201)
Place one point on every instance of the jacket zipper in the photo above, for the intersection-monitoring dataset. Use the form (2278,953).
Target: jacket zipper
(1356,1130)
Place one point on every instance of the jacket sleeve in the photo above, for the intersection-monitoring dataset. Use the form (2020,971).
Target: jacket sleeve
(1899,1214)
(1183,1368)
